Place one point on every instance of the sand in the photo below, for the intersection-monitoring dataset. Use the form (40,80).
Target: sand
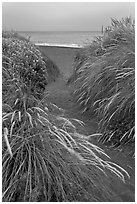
(63,57)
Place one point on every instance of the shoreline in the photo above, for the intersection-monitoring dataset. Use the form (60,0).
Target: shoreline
(59,45)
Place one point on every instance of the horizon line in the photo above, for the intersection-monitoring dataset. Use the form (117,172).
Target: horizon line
(14,30)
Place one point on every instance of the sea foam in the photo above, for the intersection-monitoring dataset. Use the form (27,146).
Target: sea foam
(59,45)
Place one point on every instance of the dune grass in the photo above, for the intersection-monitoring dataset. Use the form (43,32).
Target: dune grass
(34,69)
(104,79)
(44,158)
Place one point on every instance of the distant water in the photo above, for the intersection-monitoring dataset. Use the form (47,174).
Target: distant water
(63,39)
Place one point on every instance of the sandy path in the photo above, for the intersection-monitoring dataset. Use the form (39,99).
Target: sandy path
(59,94)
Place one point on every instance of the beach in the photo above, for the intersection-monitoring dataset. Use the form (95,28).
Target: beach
(63,57)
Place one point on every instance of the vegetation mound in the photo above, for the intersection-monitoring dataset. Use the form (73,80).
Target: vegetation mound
(104,78)
(25,60)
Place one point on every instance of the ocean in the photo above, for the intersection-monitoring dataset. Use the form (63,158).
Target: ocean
(61,38)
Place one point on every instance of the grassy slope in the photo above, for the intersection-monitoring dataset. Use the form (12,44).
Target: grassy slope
(104,81)
(44,157)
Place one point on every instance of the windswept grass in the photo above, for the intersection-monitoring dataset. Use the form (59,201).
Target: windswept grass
(44,157)
(104,79)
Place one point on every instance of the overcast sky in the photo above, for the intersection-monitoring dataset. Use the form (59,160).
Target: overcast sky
(69,16)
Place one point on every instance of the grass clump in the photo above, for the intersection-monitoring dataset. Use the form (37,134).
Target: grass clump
(44,158)
(25,60)
(104,78)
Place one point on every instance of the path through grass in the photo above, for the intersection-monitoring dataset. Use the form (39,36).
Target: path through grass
(59,94)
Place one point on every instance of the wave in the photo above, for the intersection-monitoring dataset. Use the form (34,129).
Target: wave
(59,45)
